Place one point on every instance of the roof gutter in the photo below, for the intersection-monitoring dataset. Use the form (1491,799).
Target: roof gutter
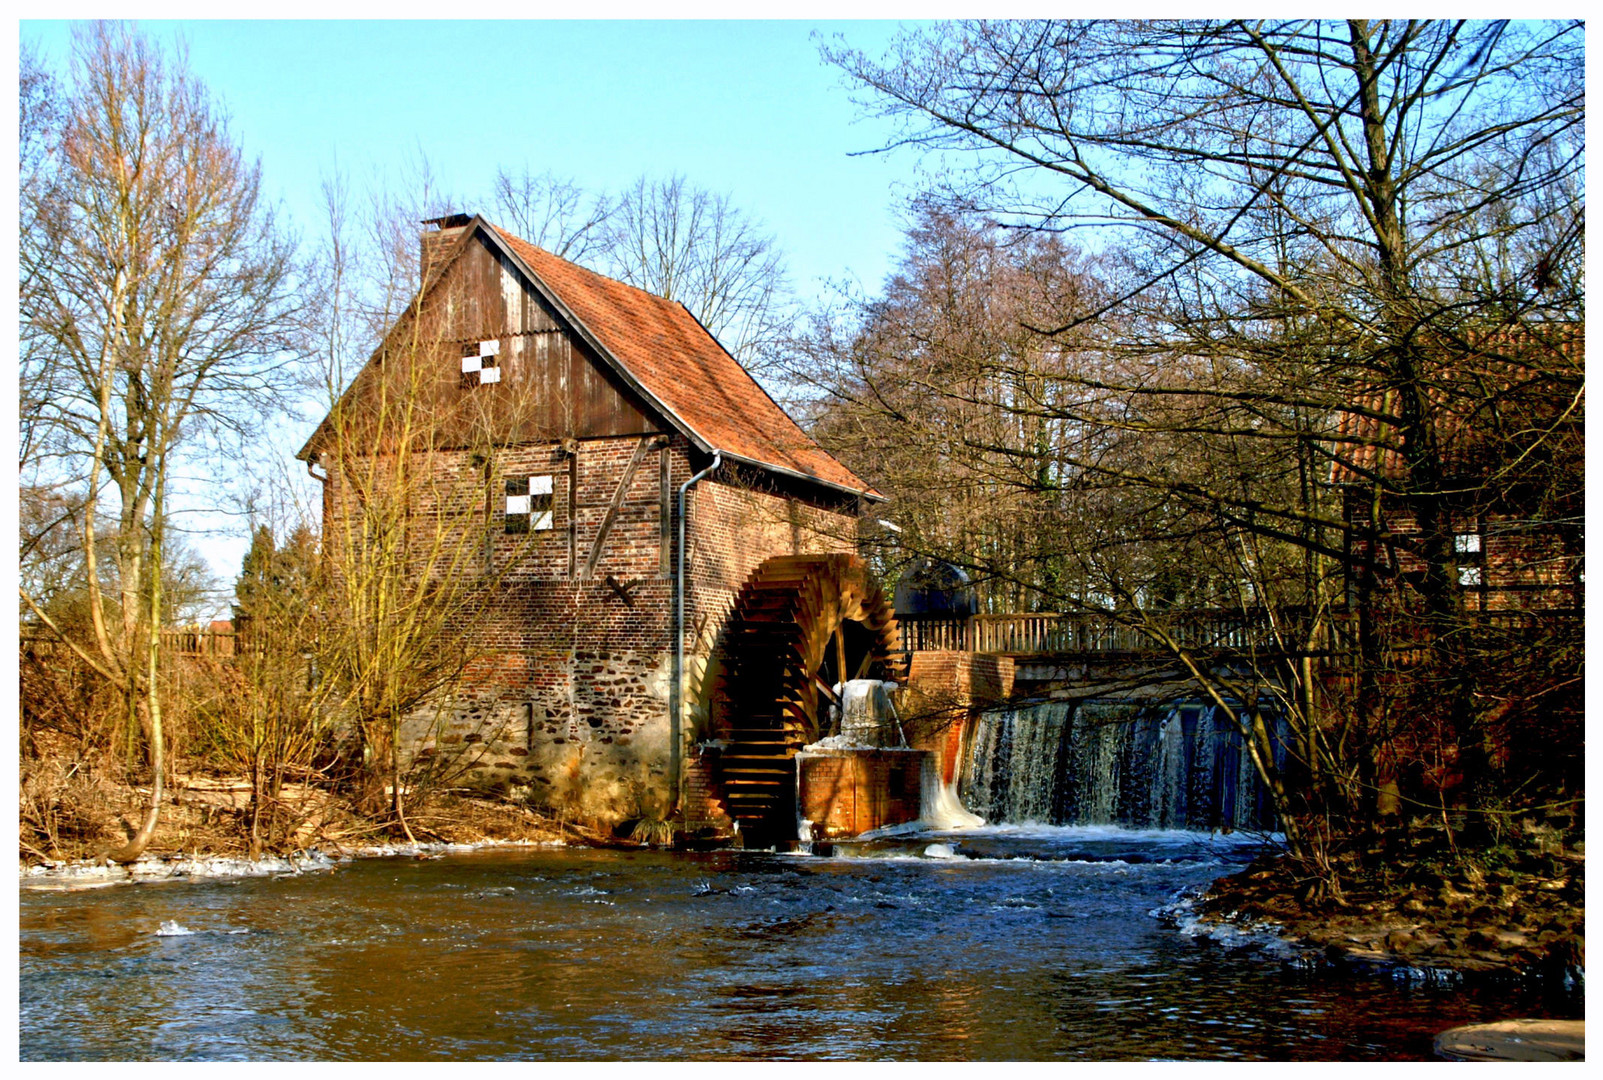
(676,689)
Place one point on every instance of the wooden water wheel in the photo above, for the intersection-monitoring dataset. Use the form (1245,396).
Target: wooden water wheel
(801,624)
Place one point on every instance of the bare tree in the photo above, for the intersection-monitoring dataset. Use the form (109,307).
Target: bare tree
(694,246)
(671,238)
(39,136)
(1357,187)
(407,462)
(1331,250)
(155,299)
(380,242)
(552,212)
(269,719)
(933,387)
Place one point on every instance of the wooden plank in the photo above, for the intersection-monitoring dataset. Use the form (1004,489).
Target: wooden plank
(618,495)
(665,520)
(573,507)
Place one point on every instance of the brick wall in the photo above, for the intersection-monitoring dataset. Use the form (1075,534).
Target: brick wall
(964,678)
(945,691)
(704,810)
(566,697)
(733,528)
(847,792)
(1520,564)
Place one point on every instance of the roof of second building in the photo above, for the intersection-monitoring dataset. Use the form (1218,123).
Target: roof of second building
(1510,385)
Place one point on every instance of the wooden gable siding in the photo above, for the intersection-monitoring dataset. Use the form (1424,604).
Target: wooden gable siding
(552,385)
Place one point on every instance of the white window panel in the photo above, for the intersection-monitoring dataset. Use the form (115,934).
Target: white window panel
(541,521)
(1469,576)
(472,363)
(517,504)
(489,375)
(489,348)
(1467,542)
(539,485)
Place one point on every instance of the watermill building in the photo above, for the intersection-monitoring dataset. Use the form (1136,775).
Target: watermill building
(609,452)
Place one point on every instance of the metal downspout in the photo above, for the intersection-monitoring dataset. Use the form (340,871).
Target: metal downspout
(676,690)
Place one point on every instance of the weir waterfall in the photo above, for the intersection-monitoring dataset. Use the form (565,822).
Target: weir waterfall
(1176,765)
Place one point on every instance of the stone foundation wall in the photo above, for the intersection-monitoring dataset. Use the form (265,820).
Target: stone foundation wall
(585,734)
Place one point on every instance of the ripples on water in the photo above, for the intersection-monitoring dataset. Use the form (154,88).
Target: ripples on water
(1033,942)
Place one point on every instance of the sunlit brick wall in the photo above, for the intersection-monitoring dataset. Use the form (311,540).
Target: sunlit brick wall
(567,689)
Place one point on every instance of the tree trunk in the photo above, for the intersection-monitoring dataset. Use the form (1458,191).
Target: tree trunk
(136,846)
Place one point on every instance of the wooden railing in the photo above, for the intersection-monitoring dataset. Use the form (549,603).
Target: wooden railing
(1047,632)
(173,643)
(1035,633)
(1238,630)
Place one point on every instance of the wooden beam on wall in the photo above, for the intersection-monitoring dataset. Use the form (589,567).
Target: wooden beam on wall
(664,512)
(571,448)
(618,495)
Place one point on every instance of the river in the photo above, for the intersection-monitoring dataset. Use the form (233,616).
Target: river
(1028,942)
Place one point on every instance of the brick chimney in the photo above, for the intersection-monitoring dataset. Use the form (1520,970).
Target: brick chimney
(438,238)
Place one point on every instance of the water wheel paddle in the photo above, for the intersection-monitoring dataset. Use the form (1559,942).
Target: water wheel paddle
(801,624)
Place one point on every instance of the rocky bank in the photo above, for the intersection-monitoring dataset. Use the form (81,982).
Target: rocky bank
(1428,918)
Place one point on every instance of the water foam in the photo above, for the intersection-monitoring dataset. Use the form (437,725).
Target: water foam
(68,876)
(1242,934)
(940,808)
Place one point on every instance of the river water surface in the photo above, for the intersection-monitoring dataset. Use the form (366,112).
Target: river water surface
(1022,943)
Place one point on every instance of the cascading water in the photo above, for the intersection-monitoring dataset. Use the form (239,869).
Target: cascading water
(1169,773)
(1179,765)
(1013,765)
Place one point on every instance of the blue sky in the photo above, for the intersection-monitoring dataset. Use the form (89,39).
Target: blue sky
(745,108)
(742,107)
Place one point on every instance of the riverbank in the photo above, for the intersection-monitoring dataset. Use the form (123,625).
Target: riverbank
(1428,917)
(202,834)
(71,876)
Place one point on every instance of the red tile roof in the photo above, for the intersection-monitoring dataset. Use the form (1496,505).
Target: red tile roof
(673,357)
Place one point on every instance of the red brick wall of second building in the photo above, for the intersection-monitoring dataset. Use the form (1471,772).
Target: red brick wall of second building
(1514,565)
